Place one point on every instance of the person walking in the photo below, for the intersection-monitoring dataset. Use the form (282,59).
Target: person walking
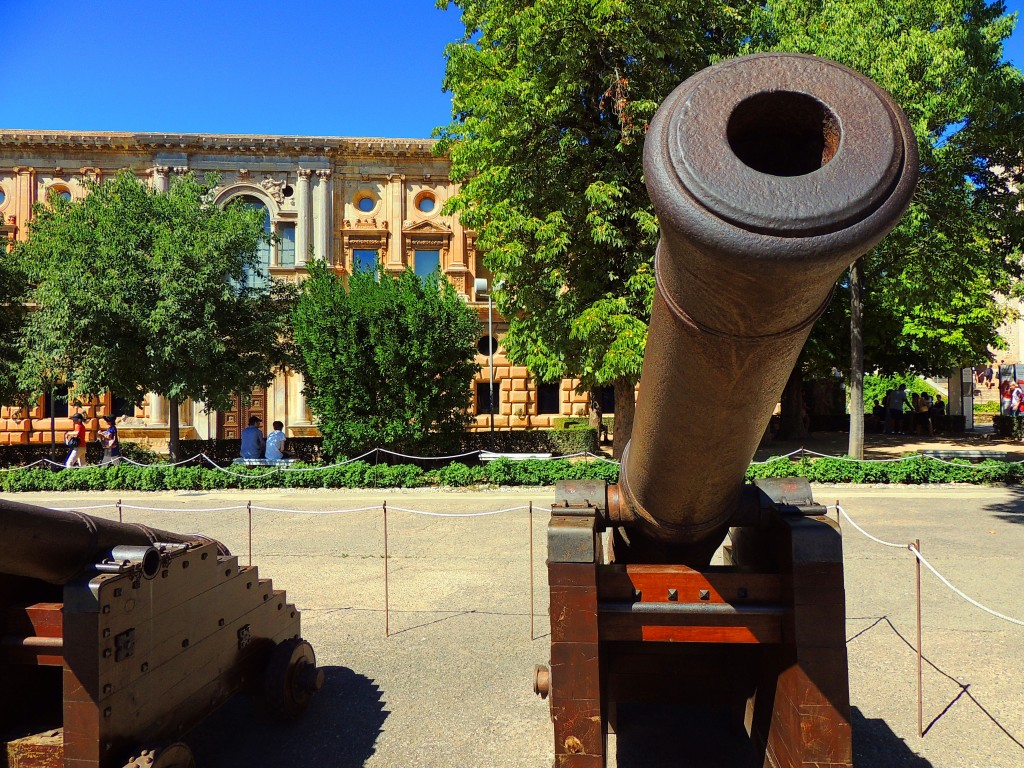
(74,439)
(111,443)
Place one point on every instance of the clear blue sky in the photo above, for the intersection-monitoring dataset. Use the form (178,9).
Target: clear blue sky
(313,67)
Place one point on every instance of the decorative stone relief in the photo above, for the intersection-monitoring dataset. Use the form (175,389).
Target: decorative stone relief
(274,188)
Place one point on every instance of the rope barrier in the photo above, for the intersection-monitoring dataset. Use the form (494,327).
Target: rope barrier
(970,600)
(917,553)
(213,464)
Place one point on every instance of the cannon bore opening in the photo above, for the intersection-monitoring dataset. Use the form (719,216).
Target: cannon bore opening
(783,133)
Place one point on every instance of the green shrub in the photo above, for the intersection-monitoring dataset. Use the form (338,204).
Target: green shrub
(1009,426)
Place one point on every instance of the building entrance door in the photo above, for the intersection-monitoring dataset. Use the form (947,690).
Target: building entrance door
(231,422)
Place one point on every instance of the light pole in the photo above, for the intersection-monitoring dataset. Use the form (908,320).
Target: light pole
(480,285)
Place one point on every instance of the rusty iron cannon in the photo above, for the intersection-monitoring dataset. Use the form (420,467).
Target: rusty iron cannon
(116,639)
(770,175)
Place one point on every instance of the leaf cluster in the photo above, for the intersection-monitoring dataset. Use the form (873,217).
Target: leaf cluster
(136,291)
(934,288)
(551,101)
(387,359)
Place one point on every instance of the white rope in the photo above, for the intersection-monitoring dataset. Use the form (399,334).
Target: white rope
(970,600)
(79,509)
(776,458)
(315,511)
(178,509)
(408,456)
(858,461)
(873,538)
(457,514)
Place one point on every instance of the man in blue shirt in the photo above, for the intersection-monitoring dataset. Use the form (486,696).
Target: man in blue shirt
(252,439)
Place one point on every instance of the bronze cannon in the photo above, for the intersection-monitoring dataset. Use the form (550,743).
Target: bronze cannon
(115,639)
(770,175)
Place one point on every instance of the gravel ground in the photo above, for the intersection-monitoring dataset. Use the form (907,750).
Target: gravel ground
(451,686)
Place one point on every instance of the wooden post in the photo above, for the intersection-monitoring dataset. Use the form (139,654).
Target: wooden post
(920,677)
(387,628)
(120,515)
(248,509)
(531,570)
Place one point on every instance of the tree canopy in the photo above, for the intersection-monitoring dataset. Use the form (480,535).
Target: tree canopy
(137,291)
(551,101)
(933,289)
(387,359)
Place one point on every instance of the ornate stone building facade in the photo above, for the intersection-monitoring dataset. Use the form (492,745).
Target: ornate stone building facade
(349,201)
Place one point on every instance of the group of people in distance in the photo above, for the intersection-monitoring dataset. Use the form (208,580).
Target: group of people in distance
(900,414)
(74,439)
(1011,397)
(255,446)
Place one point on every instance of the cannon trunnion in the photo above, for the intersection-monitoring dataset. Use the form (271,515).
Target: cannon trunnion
(125,637)
(770,175)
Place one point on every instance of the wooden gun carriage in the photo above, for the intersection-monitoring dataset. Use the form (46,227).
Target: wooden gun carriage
(115,639)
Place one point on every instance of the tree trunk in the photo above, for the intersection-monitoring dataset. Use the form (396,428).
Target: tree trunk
(173,445)
(625,407)
(792,424)
(856,448)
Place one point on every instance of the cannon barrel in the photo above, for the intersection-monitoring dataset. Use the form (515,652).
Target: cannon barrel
(57,546)
(770,175)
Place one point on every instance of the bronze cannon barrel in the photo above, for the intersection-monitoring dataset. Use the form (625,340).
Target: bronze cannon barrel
(56,546)
(770,175)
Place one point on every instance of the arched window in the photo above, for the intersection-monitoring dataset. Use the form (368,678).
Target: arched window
(261,277)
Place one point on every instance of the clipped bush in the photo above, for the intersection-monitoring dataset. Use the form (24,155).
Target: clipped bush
(1009,426)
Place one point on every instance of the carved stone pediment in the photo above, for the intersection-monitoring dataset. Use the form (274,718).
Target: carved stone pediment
(427,228)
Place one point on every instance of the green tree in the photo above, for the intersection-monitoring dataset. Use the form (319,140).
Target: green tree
(930,293)
(138,291)
(387,359)
(13,288)
(551,100)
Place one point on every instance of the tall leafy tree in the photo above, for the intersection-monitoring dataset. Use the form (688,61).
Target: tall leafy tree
(387,359)
(930,295)
(137,291)
(551,101)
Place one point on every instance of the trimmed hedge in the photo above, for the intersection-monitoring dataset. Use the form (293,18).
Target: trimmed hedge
(1009,426)
(361,474)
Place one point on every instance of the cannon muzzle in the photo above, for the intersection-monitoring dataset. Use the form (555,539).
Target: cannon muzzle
(56,546)
(770,175)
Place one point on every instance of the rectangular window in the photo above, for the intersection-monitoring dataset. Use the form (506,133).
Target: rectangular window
(286,246)
(427,262)
(364,260)
(60,402)
(483,397)
(607,395)
(548,400)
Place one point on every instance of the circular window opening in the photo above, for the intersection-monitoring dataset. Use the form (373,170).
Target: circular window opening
(487,345)
(783,133)
(3,197)
(63,193)
(366,203)
(426,203)
(287,190)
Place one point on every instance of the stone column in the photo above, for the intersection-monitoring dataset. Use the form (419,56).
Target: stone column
(302,225)
(322,231)
(157,409)
(396,198)
(26,198)
(161,178)
(299,414)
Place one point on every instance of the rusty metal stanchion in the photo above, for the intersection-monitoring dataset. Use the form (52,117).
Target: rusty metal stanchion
(387,628)
(120,516)
(248,509)
(531,570)
(920,677)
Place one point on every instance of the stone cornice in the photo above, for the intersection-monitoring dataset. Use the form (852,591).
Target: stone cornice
(331,146)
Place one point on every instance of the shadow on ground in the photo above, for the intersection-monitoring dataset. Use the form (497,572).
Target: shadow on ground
(875,744)
(704,737)
(1011,510)
(339,730)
